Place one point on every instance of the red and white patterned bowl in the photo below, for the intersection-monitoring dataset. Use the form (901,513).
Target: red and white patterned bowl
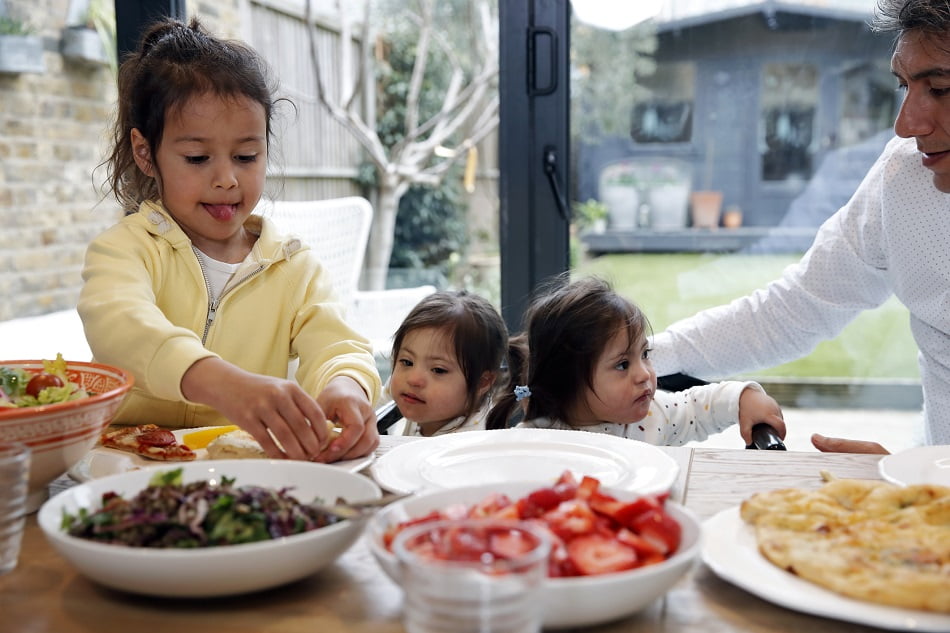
(60,434)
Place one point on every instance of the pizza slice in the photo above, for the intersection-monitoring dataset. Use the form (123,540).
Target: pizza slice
(149,441)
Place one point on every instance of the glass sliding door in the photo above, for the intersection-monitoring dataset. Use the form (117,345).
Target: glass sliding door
(714,138)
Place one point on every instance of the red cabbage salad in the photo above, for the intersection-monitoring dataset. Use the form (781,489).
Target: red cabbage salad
(170,514)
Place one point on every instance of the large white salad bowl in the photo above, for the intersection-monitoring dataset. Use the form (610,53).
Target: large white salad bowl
(212,571)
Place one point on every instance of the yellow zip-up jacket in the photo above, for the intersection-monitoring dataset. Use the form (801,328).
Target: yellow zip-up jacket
(146,307)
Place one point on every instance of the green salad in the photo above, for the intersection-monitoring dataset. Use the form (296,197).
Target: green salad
(20,388)
(169,514)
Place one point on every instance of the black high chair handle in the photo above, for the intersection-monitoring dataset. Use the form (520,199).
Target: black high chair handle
(764,438)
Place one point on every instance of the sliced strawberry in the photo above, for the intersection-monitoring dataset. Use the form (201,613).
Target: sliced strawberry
(587,487)
(659,528)
(644,548)
(595,554)
(538,502)
(510,543)
(570,518)
(489,505)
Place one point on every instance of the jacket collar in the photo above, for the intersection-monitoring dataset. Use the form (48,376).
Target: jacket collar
(271,245)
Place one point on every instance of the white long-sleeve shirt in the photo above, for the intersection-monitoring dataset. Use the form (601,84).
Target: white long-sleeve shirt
(674,418)
(892,237)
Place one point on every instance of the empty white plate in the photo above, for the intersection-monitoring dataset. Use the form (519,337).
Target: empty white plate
(919,465)
(482,457)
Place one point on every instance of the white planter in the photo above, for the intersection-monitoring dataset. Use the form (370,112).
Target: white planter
(622,202)
(669,206)
(83,44)
(21,54)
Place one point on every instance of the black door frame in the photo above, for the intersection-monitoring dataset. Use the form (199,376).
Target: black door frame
(534,146)
(132,17)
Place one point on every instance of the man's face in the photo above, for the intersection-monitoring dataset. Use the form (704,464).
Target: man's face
(921,64)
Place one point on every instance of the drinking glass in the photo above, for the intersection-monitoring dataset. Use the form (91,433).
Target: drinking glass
(14,477)
(472,576)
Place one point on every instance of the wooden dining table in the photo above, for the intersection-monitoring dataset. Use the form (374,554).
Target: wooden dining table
(45,593)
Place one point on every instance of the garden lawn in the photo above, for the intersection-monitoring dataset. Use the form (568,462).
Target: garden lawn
(876,345)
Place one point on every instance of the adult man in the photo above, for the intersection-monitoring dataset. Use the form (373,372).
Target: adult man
(892,237)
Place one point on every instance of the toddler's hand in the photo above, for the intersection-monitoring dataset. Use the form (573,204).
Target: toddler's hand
(757,406)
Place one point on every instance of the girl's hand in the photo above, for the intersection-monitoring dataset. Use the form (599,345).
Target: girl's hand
(757,406)
(262,406)
(345,403)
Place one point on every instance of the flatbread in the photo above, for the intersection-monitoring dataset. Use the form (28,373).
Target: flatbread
(240,444)
(868,540)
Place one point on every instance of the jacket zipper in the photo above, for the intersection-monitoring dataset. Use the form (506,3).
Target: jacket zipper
(214,303)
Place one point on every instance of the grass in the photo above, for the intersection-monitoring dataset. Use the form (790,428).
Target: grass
(876,345)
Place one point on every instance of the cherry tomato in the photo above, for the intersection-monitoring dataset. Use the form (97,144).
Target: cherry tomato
(41,381)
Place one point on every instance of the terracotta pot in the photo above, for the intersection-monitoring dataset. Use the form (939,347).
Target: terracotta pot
(732,218)
(705,208)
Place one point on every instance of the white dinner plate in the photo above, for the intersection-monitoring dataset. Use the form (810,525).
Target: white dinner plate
(102,461)
(482,457)
(730,550)
(919,465)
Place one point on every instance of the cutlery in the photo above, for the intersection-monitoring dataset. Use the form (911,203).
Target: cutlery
(357,509)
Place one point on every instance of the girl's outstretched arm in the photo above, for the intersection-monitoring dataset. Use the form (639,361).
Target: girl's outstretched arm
(268,408)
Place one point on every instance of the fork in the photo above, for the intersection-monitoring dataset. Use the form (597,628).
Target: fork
(357,509)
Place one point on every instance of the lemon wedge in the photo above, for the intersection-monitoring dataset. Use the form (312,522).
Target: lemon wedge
(201,438)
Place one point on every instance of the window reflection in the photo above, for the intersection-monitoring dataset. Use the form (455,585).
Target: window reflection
(789,98)
(666,116)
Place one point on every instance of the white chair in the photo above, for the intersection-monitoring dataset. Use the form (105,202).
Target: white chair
(338,232)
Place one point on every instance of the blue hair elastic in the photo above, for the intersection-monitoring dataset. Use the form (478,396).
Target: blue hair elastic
(522,392)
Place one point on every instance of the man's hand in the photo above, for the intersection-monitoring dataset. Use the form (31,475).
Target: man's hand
(841,445)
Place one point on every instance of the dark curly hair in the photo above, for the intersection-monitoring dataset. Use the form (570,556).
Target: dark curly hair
(479,334)
(567,326)
(174,62)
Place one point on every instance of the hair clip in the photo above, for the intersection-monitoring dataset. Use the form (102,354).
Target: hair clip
(522,392)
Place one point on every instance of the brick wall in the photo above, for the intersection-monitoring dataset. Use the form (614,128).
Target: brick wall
(53,127)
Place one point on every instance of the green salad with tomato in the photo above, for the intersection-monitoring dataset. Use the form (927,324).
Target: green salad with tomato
(20,388)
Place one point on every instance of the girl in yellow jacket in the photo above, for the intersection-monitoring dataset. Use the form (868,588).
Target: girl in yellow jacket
(202,301)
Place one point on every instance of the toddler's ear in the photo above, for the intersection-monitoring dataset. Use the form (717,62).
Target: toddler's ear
(485,382)
(142,153)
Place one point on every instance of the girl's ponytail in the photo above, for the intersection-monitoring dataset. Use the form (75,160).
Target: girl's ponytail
(505,400)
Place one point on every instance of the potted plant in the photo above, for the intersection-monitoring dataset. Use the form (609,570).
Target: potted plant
(591,215)
(21,51)
(618,190)
(667,194)
(87,39)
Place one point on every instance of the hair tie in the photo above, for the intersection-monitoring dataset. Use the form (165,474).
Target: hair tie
(522,392)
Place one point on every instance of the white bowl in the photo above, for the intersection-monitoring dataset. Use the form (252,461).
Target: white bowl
(212,571)
(578,601)
(61,434)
